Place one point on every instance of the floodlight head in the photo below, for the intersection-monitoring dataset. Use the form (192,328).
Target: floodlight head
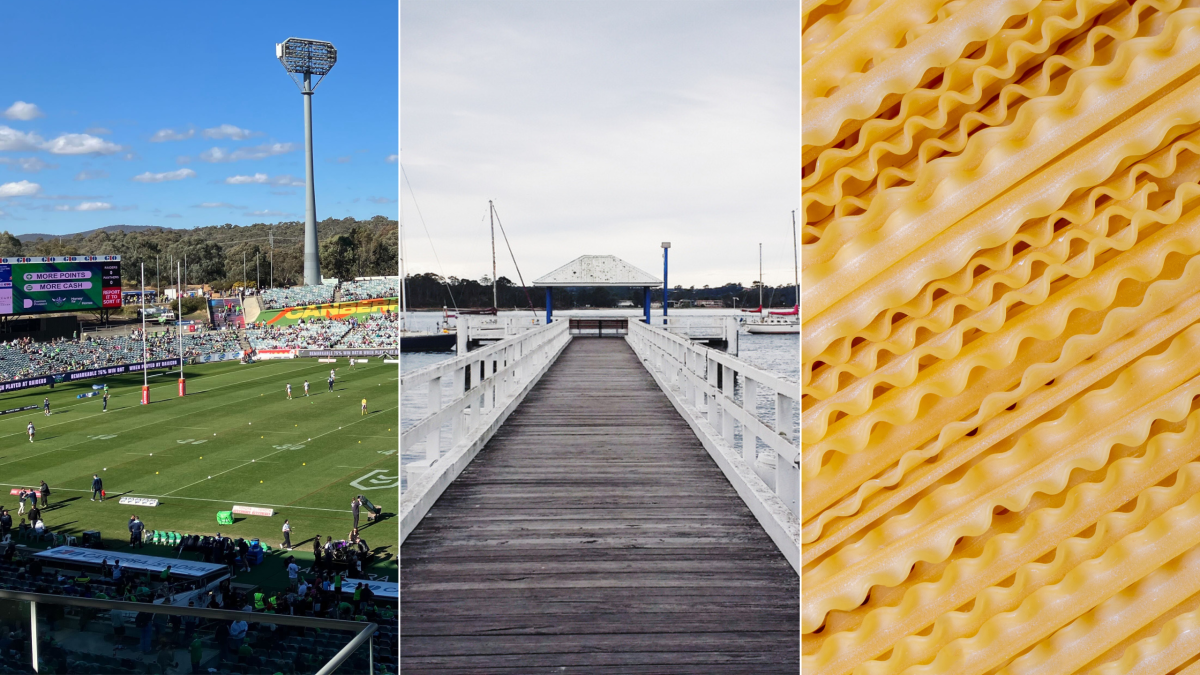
(306,58)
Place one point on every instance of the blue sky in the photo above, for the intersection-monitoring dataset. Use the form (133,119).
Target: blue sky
(179,114)
(602,127)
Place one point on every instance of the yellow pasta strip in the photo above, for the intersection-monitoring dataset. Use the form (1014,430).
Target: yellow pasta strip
(841,581)
(1040,196)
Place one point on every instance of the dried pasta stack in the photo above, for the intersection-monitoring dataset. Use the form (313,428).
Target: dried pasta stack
(1001,342)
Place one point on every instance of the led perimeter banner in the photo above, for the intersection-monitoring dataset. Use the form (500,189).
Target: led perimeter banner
(59,284)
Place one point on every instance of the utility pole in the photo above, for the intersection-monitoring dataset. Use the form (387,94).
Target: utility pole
(243,273)
(257,274)
(271,243)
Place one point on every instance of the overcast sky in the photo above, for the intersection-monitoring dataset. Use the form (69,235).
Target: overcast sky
(179,115)
(602,127)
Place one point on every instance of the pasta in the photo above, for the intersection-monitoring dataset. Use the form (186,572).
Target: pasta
(1001,336)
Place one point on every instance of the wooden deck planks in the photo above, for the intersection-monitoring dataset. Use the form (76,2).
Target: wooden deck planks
(594,534)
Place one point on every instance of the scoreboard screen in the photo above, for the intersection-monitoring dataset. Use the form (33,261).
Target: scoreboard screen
(59,284)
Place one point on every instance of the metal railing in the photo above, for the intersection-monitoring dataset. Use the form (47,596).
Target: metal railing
(364,631)
(485,386)
(703,384)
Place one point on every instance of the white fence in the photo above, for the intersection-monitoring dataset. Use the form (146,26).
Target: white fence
(493,328)
(499,377)
(701,384)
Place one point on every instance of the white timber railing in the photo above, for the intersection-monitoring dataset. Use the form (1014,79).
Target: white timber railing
(701,384)
(485,386)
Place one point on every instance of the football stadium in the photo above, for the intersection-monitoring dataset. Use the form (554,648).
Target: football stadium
(239,458)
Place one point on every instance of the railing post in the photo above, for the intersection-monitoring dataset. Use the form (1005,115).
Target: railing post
(479,376)
(727,421)
(456,426)
(714,409)
(750,405)
(433,441)
(371,655)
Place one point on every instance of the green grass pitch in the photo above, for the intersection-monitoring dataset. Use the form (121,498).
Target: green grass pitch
(235,438)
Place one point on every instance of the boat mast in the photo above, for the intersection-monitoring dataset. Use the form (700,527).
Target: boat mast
(492,216)
(760,275)
(796,262)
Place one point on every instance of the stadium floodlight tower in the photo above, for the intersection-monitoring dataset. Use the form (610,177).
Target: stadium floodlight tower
(303,59)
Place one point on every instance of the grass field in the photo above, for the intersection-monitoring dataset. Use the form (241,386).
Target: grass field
(235,438)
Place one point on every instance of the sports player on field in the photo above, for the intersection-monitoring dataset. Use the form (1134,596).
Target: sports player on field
(46,406)
(364,407)
(289,390)
(331,376)
(306,387)
(30,429)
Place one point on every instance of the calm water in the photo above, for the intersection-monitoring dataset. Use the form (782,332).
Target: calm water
(777,354)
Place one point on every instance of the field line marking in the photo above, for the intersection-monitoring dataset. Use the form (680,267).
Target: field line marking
(80,419)
(155,422)
(138,391)
(360,419)
(198,499)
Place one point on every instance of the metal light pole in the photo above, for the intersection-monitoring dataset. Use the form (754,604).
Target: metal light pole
(666,247)
(179,327)
(302,59)
(145,377)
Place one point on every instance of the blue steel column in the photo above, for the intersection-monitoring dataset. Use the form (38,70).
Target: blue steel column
(549,305)
(646,303)
(665,252)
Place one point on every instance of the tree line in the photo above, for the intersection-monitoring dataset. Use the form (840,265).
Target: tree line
(273,254)
(431,291)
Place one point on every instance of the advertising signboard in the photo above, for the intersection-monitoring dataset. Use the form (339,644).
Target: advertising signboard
(43,380)
(59,284)
(331,310)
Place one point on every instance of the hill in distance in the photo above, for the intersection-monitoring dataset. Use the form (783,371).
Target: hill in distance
(24,238)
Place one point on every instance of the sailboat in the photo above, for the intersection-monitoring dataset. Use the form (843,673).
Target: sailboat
(781,322)
(443,340)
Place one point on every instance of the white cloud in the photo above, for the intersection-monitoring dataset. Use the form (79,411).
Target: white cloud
(23,111)
(164,176)
(19,189)
(215,155)
(217,205)
(92,206)
(264,179)
(12,140)
(28,164)
(91,175)
(163,135)
(229,131)
(256,179)
(391,159)
(266,212)
(80,144)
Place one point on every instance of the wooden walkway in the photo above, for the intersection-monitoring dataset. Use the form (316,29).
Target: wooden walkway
(594,534)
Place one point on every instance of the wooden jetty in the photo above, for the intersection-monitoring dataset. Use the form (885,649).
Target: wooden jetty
(594,533)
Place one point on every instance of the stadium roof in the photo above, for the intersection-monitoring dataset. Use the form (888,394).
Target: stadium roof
(598,270)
